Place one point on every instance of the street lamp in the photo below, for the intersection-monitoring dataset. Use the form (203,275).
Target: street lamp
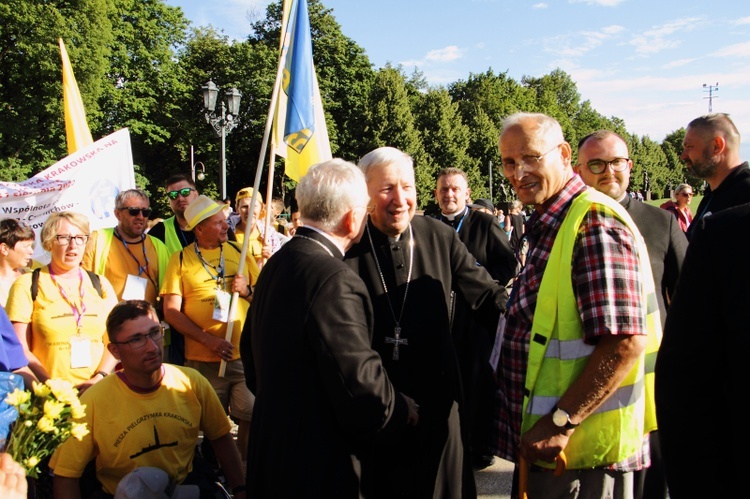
(221,121)
(201,173)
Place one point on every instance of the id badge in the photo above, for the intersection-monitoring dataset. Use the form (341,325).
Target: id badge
(498,346)
(221,306)
(135,288)
(80,352)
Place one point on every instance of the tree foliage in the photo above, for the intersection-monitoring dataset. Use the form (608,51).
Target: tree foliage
(141,65)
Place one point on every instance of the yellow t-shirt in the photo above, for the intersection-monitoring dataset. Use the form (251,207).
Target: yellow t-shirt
(255,244)
(158,429)
(196,284)
(53,326)
(121,263)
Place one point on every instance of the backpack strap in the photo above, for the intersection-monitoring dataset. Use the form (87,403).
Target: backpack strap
(95,281)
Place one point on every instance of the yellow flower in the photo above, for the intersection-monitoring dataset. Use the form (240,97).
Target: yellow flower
(46,424)
(31,462)
(17,397)
(79,430)
(40,389)
(77,410)
(63,390)
(53,408)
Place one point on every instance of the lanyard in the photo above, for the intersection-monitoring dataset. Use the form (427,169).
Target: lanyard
(141,268)
(77,311)
(219,277)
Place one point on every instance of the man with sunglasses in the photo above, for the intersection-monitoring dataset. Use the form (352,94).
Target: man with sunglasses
(572,350)
(159,411)
(603,164)
(133,261)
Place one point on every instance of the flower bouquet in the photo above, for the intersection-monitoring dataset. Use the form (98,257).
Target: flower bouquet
(45,420)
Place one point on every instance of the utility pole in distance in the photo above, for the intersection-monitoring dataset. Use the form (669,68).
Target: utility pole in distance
(711,90)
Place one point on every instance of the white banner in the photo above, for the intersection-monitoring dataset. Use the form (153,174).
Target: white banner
(87,181)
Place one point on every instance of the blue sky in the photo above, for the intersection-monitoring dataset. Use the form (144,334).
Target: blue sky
(643,61)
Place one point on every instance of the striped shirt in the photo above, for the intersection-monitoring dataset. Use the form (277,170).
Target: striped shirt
(607,286)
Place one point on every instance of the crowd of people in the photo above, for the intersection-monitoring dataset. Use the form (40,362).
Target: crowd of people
(394,354)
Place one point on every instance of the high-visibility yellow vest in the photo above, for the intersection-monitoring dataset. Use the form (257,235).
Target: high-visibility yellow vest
(104,242)
(171,239)
(558,354)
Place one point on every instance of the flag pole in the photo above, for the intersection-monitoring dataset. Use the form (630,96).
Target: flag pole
(254,198)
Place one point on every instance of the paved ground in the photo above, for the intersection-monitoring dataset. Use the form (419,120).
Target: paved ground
(495,482)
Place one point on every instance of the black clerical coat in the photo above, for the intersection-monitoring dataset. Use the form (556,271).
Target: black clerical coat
(431,457)
(489,244)
(322,394)
(666,244)
(701,367)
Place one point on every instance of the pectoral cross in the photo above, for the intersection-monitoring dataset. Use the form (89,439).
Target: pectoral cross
(397,341)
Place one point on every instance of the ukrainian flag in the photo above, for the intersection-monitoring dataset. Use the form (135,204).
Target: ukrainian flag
(300,133)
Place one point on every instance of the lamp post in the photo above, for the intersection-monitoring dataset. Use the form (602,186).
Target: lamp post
(194,167)
(221,121)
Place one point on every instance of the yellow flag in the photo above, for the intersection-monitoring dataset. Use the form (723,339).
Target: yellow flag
(76,128)
(300,133)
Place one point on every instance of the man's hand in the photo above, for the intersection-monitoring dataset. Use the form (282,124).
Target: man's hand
(13,483)
(544,441)
(413,418)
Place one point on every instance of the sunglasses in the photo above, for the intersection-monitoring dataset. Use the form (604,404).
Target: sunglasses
(135,211)
(184,192)
(686,194)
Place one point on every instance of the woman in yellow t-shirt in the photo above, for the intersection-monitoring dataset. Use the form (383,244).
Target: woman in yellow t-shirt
(62,329)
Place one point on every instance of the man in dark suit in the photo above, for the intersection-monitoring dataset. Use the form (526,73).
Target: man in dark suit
(486,241)
(711,151)
(701,368)
(322,394)
(603,163)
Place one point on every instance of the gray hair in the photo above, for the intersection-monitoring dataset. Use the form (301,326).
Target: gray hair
(545,124)
(328,191)
(383,156)
(123,196)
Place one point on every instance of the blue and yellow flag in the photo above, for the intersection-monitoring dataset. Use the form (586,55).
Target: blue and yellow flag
(300,133)
(77,130)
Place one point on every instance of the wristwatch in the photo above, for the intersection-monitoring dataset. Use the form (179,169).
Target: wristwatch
(562,419)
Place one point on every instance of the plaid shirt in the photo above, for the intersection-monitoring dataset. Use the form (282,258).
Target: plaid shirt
(607,287)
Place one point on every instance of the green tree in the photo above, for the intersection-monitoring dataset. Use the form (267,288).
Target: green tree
(32,130)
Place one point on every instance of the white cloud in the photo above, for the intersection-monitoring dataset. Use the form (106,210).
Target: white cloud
(540,5)
(677,64)
(660,38)
(741,21)
(447,54)
(736,50)
(578,44)
(601,3)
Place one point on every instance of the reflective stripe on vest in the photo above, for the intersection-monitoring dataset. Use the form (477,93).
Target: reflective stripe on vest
(558,354)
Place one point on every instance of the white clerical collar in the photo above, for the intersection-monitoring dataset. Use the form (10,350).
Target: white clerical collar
(324,234)
(452,216)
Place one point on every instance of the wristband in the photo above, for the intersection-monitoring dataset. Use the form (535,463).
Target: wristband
(104,374)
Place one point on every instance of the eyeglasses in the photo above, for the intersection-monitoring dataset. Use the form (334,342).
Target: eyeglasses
(597,166)
(155,334)
(184,192)
(135,211)
(686,194)
(527,163)
(64,240)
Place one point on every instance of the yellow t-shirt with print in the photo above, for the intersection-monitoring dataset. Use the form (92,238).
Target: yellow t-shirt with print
(53,326)
(196,284)
(123,260)
(158,429)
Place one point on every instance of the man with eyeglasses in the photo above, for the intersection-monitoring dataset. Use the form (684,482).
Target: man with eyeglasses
(148,414)
(132,260)
(711,151)
(577,384)
(603,164)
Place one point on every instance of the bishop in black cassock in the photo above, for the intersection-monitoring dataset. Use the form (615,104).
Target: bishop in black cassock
(410,265)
